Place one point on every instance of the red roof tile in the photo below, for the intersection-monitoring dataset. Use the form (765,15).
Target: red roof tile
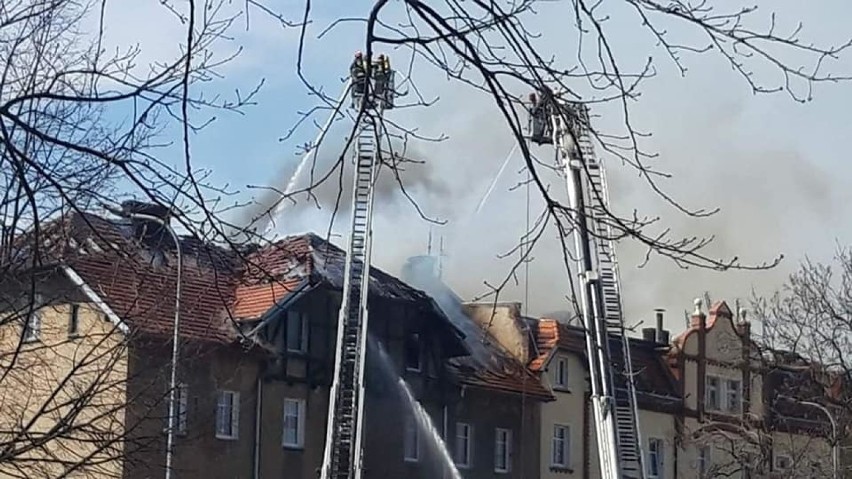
(255,299)
(512,378)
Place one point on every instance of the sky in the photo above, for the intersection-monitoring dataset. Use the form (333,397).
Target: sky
(778,170)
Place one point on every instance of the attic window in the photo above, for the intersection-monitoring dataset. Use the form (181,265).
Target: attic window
(412,353)
(297,332)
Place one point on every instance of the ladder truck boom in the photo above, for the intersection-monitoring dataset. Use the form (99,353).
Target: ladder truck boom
(565,125)
(371,96)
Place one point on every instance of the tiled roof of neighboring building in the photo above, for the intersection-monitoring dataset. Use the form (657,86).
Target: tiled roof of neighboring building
(652,376)
(136,275)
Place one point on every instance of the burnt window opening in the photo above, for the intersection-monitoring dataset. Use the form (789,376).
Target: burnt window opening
(413,353)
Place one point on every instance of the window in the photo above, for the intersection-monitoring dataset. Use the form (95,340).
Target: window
(782,462)
(227,415)
(705,460)
(181,394)
(74,320)
(656,455)
(712,395)
(412,353)
(733,395)
(294,423)
(560,446)
(297,332)
(464,441)
(560,376)
(411,441)
(32,325)
(502,450)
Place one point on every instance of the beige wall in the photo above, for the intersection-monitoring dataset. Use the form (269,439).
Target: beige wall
(72,387)
(567,409)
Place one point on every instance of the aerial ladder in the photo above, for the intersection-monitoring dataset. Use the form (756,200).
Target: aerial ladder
(565,125)
(372,92)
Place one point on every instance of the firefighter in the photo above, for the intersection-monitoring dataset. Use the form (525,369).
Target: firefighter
(382,67)
(537,119)
(358,73)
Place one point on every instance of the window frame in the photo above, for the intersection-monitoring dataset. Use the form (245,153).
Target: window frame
(566,446)
(561,371)
(656,458)
(31,334)
(300,423)
(302,321)
(410,432)
(74,321)
(233,420)
(467,445)
(775,462)
(505,453)
(738,406)
(416,340)
(717,389)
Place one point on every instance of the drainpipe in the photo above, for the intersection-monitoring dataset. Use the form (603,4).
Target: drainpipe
(258,409)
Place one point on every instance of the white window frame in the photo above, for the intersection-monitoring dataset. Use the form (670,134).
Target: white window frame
(32,324)
(563,443)
(411,451)
(717,389)
(560,374)
(234,413)
(299,405)
(502,450)
(656,458)
(464,443)
(181,395)
(302,319)
(736,407)
(416,338)
(776,460)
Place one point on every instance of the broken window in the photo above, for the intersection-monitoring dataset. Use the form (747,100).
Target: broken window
(297,332)
(412,352)
(783,462)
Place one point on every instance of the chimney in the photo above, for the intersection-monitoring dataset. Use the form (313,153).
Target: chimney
(649,334)
(662,335)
